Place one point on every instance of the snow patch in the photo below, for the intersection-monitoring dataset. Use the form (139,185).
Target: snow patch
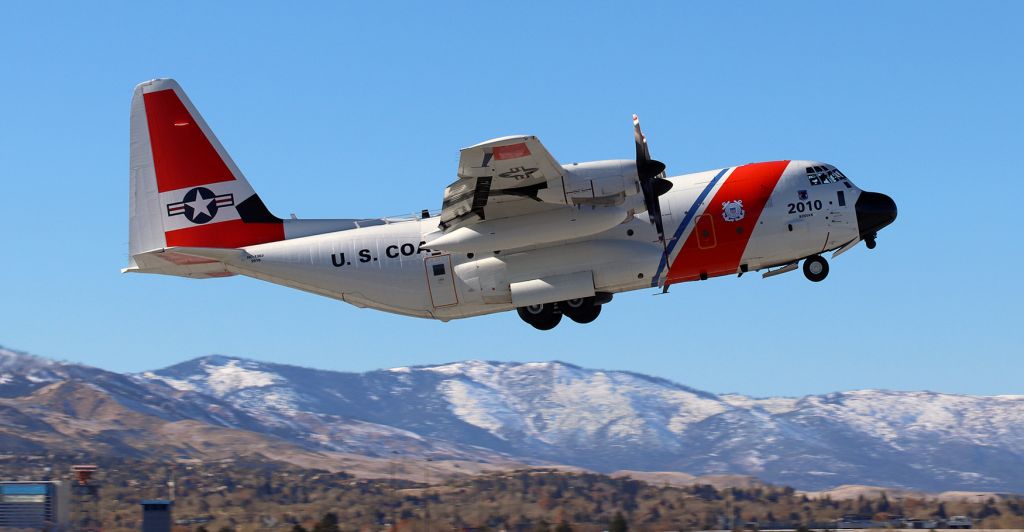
(478,406)
(772,405)
(447,369)
(233,377)
(35,378)
(177,384)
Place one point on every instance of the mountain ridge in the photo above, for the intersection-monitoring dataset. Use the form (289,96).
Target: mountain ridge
(553,412)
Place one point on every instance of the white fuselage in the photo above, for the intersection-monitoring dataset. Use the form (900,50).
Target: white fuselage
(387,267)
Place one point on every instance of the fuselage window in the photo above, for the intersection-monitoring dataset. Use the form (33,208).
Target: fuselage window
(820,175)
(438,269)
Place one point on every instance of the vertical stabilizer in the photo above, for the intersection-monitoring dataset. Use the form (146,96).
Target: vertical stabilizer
(185,189)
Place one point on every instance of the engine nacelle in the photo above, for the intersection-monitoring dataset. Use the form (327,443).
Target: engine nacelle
(546,275)
(601,182)
(561,223)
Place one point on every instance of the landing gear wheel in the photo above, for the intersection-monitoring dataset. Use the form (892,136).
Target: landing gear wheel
(583,310)
(870,242)
(543,317)
(815,268)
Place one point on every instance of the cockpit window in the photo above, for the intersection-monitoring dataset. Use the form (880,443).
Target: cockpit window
(820,175)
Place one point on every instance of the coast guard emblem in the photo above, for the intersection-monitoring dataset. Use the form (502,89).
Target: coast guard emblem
(732,211)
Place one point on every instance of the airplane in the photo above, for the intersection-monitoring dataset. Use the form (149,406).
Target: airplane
(516,230)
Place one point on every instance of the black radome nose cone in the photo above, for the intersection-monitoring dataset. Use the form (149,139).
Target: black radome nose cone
(874,211)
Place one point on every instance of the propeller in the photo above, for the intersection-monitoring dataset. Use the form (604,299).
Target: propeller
(652,180)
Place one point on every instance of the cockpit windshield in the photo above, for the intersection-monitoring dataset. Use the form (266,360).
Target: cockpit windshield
(820,175)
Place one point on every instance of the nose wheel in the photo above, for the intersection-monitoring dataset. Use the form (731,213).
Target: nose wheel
(870,241)
(815,268)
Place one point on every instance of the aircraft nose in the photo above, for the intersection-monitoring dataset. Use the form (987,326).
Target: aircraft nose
(874,211)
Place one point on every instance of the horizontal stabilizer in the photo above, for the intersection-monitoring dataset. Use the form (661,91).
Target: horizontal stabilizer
(186,262)
(225,255)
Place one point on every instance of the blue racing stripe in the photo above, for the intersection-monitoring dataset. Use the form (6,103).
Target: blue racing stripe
(682,226)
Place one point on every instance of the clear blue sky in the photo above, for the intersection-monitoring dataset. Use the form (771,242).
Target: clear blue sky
(344,110)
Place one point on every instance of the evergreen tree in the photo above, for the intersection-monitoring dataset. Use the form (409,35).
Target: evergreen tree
(329,523)
(563,527)
(941,511)
(883,504)
(988,510)
(618,523)
(864,506)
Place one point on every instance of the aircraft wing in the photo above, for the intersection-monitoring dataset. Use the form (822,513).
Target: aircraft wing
(501,178)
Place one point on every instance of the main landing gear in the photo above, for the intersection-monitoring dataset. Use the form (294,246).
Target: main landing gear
(544,317)
(582,310)
(815,268)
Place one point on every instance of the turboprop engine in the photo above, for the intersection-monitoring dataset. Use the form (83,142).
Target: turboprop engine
(600,195)
(603,183)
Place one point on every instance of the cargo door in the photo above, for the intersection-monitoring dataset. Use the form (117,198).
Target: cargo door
(441,280)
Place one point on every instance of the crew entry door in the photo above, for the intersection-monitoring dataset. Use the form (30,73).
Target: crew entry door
(706,238)
(441,281)
(840,222)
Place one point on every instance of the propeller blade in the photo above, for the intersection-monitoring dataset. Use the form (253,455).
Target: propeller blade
(649,172)
(642,153)
(661,185)
(647,168)
(654,211)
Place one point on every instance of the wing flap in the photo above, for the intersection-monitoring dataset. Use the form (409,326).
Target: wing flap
(515,172)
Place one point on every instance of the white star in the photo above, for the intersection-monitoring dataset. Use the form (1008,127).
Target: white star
(200,205)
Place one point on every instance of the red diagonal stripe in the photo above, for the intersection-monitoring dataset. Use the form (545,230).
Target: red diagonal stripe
(753,184)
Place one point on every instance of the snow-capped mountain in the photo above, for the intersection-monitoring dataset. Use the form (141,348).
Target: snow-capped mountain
(552,412)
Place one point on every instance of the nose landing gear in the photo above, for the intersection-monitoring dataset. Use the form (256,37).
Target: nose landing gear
(815,268)
(869,241)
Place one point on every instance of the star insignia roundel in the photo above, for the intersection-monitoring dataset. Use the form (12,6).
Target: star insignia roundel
(200,205)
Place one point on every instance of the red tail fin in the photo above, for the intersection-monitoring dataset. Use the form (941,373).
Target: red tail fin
(183,177)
